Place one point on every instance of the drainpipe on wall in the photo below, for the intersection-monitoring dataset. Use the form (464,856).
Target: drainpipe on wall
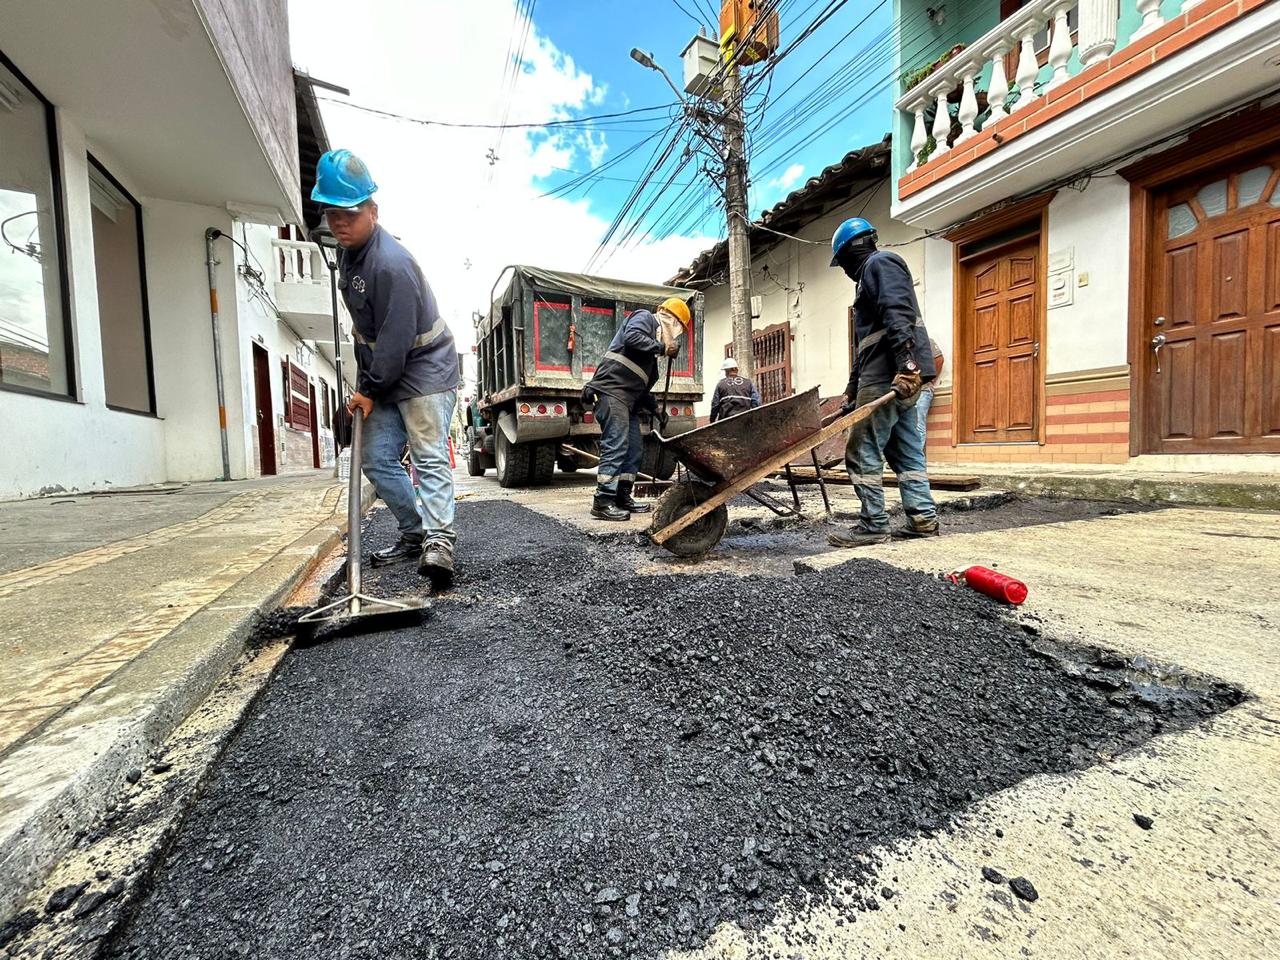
(210,235)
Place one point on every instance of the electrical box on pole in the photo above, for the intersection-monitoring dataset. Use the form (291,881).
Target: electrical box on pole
(745,36)
(701,64)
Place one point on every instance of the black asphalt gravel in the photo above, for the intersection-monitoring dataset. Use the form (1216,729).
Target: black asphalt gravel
(569,760)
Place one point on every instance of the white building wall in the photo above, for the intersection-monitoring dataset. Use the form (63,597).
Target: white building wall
(182,338)
(1093,227)
(801,286)
(260,323)
(936,301)
(54,445)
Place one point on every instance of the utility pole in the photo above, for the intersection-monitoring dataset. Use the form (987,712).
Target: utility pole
(735,194)
(710,68)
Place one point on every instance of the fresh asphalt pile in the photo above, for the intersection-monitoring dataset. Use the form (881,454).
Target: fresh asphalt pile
(569,760)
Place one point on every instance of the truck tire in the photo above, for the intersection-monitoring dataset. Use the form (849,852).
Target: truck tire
(571,462)
(542,463)
(657,461)
(475,459)
(511,460)
(701,535)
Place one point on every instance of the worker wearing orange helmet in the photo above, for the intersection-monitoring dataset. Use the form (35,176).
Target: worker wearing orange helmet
(620,390)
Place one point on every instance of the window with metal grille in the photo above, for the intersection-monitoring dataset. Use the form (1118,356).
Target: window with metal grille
(299,403)
(771,350)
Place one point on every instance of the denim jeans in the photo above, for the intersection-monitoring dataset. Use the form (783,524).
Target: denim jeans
(621,444)
(923,403)
(893,433)
(424,510)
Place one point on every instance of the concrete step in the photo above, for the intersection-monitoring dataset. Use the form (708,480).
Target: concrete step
(1252,491)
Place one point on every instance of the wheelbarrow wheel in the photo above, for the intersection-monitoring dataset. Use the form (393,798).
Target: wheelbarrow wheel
(701,535)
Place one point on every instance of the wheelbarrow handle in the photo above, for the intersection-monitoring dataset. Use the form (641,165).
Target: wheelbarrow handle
(861,413)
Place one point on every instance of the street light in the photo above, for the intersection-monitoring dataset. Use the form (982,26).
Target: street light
(646,60)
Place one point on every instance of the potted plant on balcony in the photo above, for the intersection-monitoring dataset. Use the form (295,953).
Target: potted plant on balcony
(914,77)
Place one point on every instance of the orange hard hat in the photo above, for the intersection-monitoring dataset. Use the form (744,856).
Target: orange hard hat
(678,309)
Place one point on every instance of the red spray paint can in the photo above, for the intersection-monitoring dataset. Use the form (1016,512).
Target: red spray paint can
(993,584)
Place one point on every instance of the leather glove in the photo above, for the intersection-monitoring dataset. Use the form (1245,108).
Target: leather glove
(672,349)
(907,384)
(848,405)
(649,403)
(589,396)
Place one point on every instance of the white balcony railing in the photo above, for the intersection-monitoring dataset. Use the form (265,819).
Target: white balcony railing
(1096,22)
(299,262)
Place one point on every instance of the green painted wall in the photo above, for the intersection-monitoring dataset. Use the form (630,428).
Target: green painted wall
(920,41)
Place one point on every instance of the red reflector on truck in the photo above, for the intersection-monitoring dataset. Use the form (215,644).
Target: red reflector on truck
(524,408)
(559,410)
(675,411)
(542,408)
(588,418)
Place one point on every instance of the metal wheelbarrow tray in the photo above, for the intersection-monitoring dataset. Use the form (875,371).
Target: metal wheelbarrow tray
(729,457)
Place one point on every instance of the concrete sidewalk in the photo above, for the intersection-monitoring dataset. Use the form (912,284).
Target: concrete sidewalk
(1254,490)
(118,613)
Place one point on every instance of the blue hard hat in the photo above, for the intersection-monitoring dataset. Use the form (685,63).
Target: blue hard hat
(342,180)
(851,229)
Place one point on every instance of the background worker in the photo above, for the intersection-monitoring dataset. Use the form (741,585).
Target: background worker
(407,378)
(619,391)
(891,351)
(733,394)
(925,400)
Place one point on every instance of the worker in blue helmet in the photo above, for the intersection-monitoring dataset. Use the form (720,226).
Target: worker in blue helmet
(891,352)
(407,368)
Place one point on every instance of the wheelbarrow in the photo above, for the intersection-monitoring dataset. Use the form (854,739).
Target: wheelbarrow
(730,457)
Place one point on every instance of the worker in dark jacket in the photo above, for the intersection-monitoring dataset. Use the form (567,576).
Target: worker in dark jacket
(407,379)
(733,394)
(891,352)
(619,391)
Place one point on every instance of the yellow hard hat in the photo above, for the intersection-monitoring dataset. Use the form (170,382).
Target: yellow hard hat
(678,309)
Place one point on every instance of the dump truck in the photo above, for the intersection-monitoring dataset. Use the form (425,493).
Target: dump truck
(536,349)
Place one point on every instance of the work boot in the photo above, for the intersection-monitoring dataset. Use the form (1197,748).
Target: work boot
(436,564)
(625,502)
(918,528)
(605,507)
(406,548)
(858,536)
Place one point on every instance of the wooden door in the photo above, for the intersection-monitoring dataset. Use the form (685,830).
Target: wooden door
(1211,345)
(315,426)
(1001,305)
(266,420)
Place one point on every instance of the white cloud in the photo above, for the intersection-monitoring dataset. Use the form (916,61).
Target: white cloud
(445,60)
(789,177)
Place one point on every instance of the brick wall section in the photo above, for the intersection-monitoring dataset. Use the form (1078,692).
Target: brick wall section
(1086,422)
(1173,36)
(297,451)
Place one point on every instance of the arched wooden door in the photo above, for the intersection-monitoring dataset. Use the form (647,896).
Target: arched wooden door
(1211,342)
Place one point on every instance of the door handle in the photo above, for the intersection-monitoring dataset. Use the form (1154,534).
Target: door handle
(1157,342)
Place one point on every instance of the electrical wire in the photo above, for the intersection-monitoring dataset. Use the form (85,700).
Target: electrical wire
(560,122)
